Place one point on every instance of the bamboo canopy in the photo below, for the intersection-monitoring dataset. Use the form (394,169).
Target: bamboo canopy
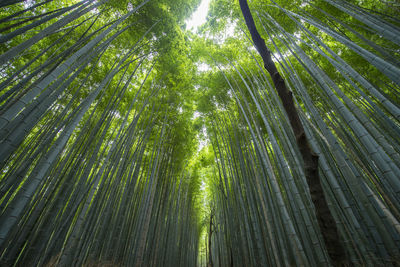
(269,137)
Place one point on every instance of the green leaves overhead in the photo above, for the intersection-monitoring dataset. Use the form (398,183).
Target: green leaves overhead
(344,85)
(121,133)
(96,133)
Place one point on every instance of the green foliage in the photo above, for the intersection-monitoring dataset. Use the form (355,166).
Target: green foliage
(121,154)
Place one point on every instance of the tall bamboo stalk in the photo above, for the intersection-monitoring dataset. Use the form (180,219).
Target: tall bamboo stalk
(310,159)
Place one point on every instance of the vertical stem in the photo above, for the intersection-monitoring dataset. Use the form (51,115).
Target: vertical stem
(210,262)
(325,219)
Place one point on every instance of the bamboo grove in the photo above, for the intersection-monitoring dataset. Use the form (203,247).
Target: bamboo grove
(353,129)
(92,170)
(104,161)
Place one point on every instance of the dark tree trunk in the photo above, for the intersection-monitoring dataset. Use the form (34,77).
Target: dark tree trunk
(231,258)
(210,262)
(325,219)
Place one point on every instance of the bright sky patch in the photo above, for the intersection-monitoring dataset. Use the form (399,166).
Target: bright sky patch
(198,18)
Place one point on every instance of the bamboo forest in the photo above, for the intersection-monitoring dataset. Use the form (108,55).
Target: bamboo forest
(199,133)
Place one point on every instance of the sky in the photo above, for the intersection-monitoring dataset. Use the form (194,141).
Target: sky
(199,16)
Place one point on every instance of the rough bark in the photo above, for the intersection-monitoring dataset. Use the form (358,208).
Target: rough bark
(325,219)
(210,262)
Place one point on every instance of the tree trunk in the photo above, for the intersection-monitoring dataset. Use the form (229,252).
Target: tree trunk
(210,262)
(325,219)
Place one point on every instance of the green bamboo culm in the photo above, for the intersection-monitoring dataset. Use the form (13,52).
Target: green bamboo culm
(269,136)
(325,219)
